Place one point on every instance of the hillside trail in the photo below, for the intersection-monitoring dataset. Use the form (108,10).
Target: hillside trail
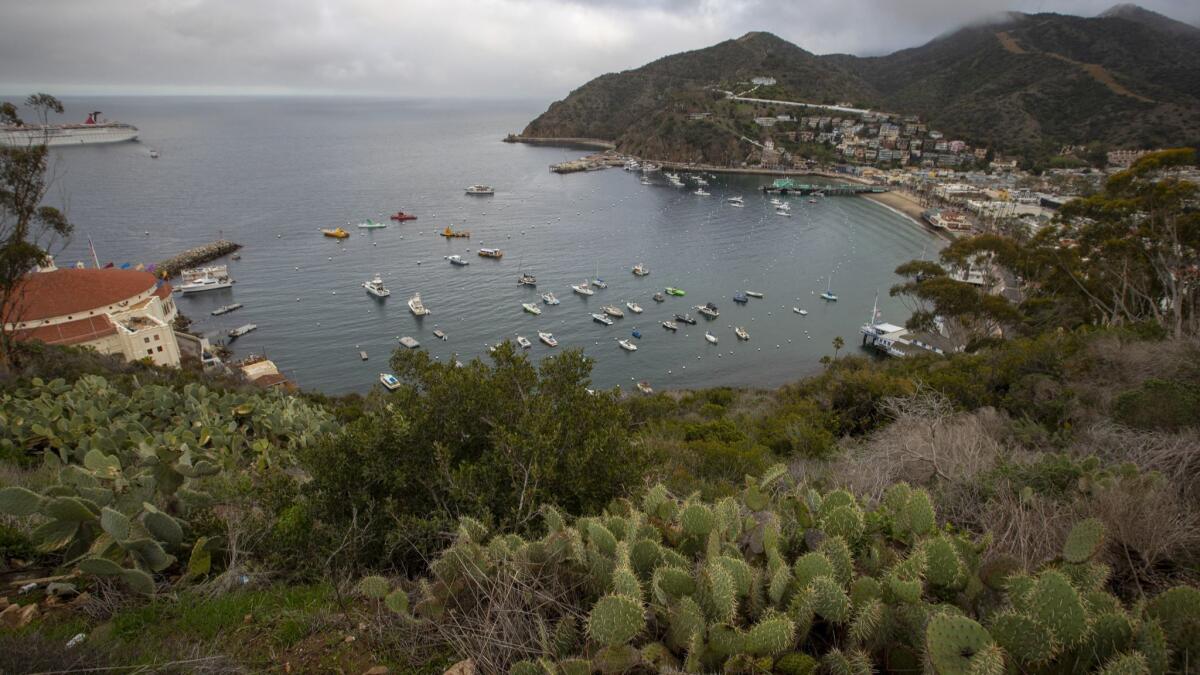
(1094,70)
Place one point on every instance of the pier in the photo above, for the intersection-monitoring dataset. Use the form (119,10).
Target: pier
(593,143)
(195,256)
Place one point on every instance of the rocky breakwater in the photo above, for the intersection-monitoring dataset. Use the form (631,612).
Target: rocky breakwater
(195,256)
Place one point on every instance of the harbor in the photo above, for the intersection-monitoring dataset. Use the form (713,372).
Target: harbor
(305,292)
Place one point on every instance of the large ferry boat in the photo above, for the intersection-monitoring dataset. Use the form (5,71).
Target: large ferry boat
(205,279)
(94,130)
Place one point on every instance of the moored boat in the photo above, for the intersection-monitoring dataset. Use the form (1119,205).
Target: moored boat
(440,334)
(401,216)
(708,309)
(527,279)
(409,342)
(613,310)
(524,342)
(416,306)
(450,234)
(583,289)
(659,297)
(829,295)
(457,260)
(205,279)
(389,381)
(670,325)
(644,387)
(741,333)
(549,299)
(627,345)
(548,338)
(686,318)
(600,318)
(640,270)
(531,308)
(225,309)
(336,233)
(801,312)
(369,224)
(491,253)
(599,283)
(754,294)
(710,337)
(376,288)
(634,307)
(481,190)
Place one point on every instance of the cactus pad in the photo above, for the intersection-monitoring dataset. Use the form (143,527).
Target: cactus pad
(1084,541)
(953,641)
(771,636)
(615,619)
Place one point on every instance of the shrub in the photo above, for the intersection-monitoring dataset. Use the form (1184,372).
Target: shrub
(1158,404)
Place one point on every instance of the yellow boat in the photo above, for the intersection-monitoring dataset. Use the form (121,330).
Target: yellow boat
(452,233)
(338,233)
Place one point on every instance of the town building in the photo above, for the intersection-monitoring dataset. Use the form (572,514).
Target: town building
(113,311)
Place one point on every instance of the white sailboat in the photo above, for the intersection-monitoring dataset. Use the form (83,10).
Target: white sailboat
(828,295)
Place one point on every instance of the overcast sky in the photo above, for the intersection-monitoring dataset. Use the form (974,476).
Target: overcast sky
(491,48)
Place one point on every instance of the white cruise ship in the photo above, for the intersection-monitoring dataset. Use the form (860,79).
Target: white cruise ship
(205,279)
(94,130)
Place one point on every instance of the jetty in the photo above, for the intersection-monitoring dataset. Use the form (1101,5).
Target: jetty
(195,256)
(788,186)
(596,143)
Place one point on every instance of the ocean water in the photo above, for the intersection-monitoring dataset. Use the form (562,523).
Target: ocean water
(268,173)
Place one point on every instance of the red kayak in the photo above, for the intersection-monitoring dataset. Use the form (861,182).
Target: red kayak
(400,215)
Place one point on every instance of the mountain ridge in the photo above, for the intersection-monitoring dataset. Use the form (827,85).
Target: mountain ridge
(1022,84)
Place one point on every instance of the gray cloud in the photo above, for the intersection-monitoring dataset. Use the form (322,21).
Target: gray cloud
(494,48)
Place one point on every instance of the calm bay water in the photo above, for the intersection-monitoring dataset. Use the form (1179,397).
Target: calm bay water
(269,173)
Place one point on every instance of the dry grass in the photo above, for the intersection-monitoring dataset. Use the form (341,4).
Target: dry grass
(1115,365)
(926,443)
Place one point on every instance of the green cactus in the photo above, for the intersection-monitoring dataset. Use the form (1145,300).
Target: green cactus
(671,583)
(697,520)
(397,601)
(865,589)
(1133,663)
(717,593)
(625,582)
(1084,542)
(844,521)
(644,556)
(918,515)
(724,641)
(837,550)
(552,518)
(525,668)
(657,503)
(795,663)
(778,589)
(602,538)
(868,619)
(1178,612)
(374,587)
(1111,633)
(810,566)
(952,642)
(943,567)
(694,663)
(1022,638)
(684,619)
(740,572)
(573,667)
(615,619)
(830,601)
(616,659)
(1152,642)
(659,658)
(771,636)
(989,661)
(1056,605)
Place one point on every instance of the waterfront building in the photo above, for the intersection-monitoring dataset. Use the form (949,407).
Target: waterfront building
(113,311)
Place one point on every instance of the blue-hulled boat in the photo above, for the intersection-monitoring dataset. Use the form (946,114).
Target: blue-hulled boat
(740,297)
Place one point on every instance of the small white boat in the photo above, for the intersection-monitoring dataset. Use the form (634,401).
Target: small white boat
(634,307)
(457,260)
(781,212)
(599,283)
(527,279)
(549,299)
(741,333)
(376,288)
(524,342)
(627,345)
(708,309)
(583,289)
(613,310)
(701,192)
(205,279)
(784,207)
(531,308)
(548,338)
(389,381)
(369,224)
(736,200)
(153,154)
(828,295)
(801,312)
(481,190)
(754,294)
(242,330)
(640,270)
(775,201)
(670,325)
(416,306)
(440,334)
(632,165)
(644,387)
(710,337)
(738,204)
(650,167)
(600,318)
(701,181)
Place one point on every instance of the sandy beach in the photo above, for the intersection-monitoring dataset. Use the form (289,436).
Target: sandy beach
(904,204)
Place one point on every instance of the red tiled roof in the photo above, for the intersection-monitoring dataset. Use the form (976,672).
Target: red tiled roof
(164,291)
(64,292)
(71,332)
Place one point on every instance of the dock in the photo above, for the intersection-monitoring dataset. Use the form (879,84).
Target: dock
(195,256)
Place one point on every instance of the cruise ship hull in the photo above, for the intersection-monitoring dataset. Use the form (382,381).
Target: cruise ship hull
(56,136)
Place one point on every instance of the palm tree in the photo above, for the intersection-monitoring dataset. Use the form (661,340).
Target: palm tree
(838,343)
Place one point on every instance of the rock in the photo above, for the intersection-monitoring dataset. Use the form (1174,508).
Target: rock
(378,670)
(8,617)
(77,640)
(248,619)
(4,603)
(349,639)
(28,613)
(464,667)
